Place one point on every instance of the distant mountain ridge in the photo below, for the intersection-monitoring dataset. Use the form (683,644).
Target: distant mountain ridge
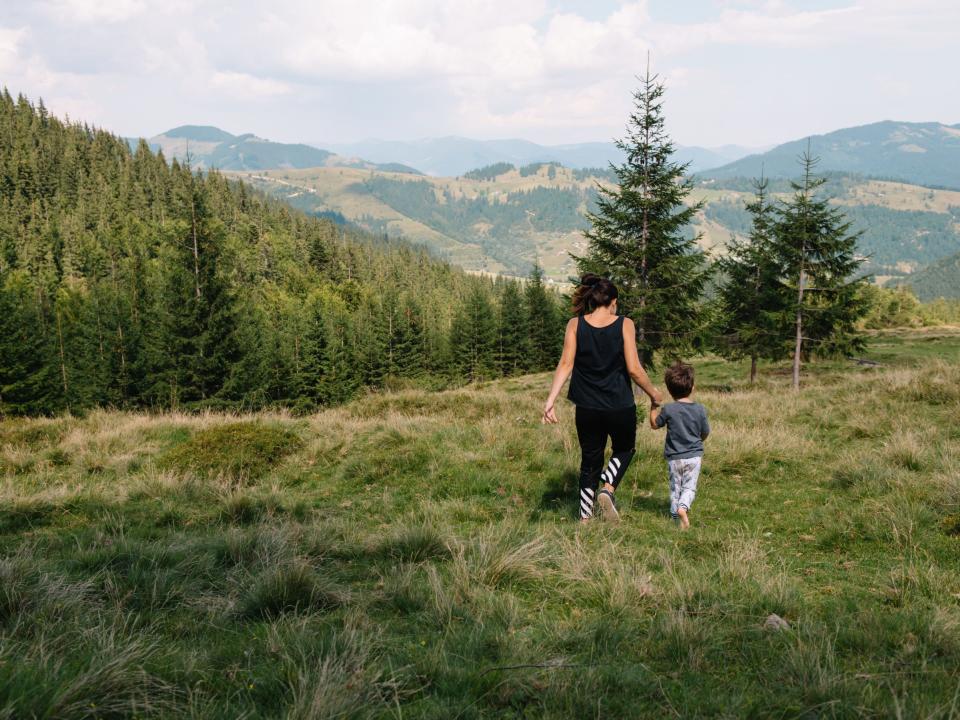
(211,147)
(453,156)
(919,153)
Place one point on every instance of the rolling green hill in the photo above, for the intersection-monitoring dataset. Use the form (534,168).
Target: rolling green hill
(919,153)
(494,223)
(500,218)
(451,156)
(939,279)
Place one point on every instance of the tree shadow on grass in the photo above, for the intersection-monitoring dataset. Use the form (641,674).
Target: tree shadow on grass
(559,496)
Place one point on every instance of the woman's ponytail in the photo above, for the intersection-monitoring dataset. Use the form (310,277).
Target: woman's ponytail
(593,292)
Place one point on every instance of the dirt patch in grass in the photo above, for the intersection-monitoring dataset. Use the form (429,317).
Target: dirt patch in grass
(242,451)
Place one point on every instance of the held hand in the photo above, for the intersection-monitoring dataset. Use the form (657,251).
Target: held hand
(549,414)
(657,398)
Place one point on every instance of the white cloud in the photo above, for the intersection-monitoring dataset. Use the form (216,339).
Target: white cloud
(93,11)
(10,48)
(488,67)
(242,85)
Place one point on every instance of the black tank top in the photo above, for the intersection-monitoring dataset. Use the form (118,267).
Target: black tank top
(600,380)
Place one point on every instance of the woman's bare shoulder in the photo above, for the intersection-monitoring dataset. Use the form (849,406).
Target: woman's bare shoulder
(572,323)
(627,323)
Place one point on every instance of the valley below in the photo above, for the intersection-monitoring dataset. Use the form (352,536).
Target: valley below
(503,219)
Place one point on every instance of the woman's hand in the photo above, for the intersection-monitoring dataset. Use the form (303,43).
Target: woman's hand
(549,413)
(564,368)
(656,398)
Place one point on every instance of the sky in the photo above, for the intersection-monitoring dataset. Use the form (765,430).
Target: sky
(747,72)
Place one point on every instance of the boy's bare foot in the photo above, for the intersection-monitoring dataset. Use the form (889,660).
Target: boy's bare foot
(684,520)
(609,507)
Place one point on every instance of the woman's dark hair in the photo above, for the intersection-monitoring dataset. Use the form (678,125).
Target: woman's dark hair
(593,292)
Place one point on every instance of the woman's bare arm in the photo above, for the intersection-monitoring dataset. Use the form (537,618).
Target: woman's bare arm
(634,368)
(562,374)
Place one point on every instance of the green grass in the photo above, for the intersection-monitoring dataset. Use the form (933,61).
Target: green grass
(416,555)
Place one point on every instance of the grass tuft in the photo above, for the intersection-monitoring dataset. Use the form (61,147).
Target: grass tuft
(415,543)
(295,587)
(240,451)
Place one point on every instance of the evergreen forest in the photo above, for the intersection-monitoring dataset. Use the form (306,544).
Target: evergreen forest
(133,282)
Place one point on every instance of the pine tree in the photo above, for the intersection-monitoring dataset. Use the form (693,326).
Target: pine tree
(513,344)
(639,235)
(750,293)
(544,332)
(314,372)
(473,337)
(202,318)
(28,381)
(816,253)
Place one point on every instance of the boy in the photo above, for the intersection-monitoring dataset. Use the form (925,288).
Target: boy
(687,428)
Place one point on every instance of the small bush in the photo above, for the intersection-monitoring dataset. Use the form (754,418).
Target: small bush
(244,450)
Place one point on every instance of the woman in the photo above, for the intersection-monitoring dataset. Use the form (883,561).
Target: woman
(600,350)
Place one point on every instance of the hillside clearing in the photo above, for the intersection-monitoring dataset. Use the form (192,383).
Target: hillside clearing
(415,555)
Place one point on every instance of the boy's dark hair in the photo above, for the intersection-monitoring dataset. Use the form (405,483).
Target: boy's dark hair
(679,380)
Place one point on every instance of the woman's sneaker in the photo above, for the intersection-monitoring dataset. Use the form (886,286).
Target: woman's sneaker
(608,507)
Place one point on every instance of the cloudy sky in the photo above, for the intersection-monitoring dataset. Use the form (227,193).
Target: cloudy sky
(751,72)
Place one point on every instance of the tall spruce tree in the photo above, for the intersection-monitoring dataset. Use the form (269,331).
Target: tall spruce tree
(816,252)
(750,294)
(513,346)
(202,317)
(28,381)
(639,236)
(544,329)
(473,337)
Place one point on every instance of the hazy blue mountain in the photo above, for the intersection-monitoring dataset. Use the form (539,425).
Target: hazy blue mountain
(919,153)
(210,147)
(200,133)
(248,152)
(453,156)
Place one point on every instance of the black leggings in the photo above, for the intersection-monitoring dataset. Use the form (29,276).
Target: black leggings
(593,427)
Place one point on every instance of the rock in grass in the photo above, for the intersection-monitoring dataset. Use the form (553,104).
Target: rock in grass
(775,622)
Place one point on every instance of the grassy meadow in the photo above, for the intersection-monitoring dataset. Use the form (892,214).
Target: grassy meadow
(416,555)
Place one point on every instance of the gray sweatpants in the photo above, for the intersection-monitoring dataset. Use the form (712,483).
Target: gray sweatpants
(683,482)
